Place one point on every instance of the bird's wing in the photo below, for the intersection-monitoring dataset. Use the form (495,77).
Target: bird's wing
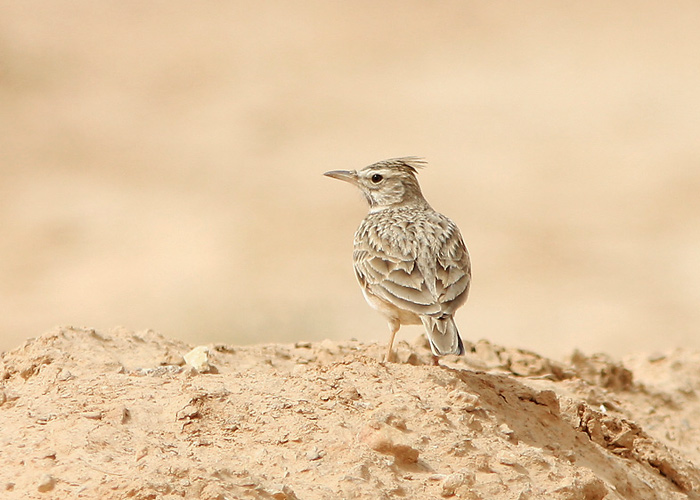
(424,270)
(453,271)
(396,281)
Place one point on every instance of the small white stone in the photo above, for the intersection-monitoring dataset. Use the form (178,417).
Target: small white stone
(314,454)
(46,483)
(507,458)
(506,430)
(455,480)
(198,358)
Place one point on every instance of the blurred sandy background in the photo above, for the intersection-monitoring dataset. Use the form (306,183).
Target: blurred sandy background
(161,165)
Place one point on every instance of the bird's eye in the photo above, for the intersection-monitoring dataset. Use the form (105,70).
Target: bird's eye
(377,178)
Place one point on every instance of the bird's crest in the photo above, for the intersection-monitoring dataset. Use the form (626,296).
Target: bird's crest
(411,163)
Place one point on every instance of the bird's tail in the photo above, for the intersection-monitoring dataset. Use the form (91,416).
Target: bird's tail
(443,335)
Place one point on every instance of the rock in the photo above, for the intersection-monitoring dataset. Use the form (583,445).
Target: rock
(198,358)
(314,454)
(454,481)
(464,401)
(46,483)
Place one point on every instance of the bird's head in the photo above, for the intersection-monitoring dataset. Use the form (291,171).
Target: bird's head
(388,183)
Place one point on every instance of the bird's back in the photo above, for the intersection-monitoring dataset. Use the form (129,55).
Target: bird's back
(414,258)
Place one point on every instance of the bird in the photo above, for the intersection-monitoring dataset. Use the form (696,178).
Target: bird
(410,261)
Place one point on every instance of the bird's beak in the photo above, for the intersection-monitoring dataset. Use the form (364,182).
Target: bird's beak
(344,175)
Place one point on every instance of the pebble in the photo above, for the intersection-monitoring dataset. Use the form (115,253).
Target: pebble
(465,401)
(506,431)
(454,481)
(314,454)
(125,415)
(46,483)
(507,458)
(198,358)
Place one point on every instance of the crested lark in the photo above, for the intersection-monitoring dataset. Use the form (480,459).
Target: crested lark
(410,261)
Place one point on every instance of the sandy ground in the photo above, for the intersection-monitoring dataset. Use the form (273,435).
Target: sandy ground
(160,165)
(120,414)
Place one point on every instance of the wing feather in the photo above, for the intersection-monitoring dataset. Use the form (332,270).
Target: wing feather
(421,266)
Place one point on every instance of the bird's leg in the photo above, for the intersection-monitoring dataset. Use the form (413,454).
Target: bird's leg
(394,326)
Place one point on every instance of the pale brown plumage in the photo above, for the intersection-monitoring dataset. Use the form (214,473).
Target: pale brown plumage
(410,260)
